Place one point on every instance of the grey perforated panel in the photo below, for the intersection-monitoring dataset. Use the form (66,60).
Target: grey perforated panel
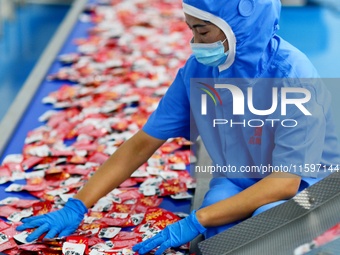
(281,229)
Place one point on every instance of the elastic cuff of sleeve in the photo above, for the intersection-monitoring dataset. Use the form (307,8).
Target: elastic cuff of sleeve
(197,224)
(79,205)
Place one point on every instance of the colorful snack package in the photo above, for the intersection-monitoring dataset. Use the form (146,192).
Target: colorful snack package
(328,236)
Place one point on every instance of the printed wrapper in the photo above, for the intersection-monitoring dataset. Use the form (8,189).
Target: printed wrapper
(93,240)
(30,162)
(182,195)
(185,157)
(70,248)
(33,247)
(172,187)
(128,244)
(91,228)
(40,208)
(151,201)
(6,237)
(170,147)
(10,244)
(5,174)
(328,236)
(128,194)
(79,240)
(109,232)
(17,216)
(4,225)
(159,218)
(7,210)
(128,183)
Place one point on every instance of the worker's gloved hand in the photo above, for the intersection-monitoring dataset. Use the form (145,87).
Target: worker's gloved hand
(173,235)
(62,222)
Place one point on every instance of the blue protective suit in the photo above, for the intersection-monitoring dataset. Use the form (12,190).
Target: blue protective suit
(260,59)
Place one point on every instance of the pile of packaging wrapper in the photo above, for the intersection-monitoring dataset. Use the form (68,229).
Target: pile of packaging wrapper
(109,87)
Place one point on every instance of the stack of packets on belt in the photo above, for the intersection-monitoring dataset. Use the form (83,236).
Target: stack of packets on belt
(330,235)
(109,87)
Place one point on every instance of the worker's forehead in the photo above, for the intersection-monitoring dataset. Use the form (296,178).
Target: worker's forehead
(193,21)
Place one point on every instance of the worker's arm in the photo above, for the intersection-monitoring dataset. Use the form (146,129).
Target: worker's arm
(275,187)
(111,174)
(129,156)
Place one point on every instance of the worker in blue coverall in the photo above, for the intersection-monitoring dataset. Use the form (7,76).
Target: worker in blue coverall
(234,42)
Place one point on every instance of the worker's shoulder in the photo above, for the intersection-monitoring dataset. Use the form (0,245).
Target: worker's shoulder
(291,62)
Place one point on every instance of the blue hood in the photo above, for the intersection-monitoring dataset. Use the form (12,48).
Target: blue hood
(249,26)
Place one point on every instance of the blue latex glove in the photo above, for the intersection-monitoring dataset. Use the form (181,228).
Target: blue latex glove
(174,235)
(63,222)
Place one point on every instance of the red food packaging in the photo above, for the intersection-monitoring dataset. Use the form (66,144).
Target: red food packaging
(7,210)
(125,235)
(51,251)
(159,217)
(10,244)
(4,171)
(151,201)
(86,147)
(116,222)
(40,208)
(54,170)
(93,240)
(97,215)
(120,244)
(33,247)
(186,155)
(122,208)
(24,204)
(170,147)
(97,132)
(42,195)
(36,181)
(77,160)
(183,174)
(56,174)
(327,236)
(32,187)
(140,208)
(121,126)
(38,149)
(3,224)
(95,225)
(78,170)
(69,58)
(98,157)
(128,183)
(11,230)
(128,194)
(14,251)
(79,240)
(134,219)
(171,187)
(61,153)
(14,167)
(30,162)
(139,179)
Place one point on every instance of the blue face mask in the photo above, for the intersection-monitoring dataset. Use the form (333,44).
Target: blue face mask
(210,54)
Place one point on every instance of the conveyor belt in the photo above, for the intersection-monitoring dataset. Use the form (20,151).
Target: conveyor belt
(11,125)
